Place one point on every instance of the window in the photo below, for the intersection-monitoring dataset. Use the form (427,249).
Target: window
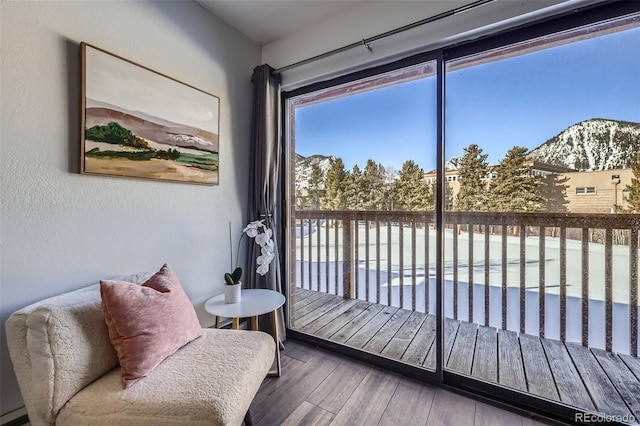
(582,190)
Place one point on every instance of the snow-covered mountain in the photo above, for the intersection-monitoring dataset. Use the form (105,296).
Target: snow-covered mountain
(304,166)
(596,144)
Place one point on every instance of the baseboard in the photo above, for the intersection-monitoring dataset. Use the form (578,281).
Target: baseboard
(15,418)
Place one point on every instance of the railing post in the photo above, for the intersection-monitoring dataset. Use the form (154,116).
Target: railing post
(633,292)
(454,244)
(302,254)
(347,253)
(585,286)
(608,289)
(487,276)
(563,284)
(541,282)
(523,278)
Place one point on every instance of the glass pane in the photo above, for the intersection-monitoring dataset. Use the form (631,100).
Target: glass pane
(362,197)
(541,248)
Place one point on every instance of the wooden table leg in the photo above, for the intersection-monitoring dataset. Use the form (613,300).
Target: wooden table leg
(254,323)
(235,323)
(217,321)
(274,320)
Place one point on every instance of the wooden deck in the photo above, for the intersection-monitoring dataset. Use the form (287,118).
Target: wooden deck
(590,379)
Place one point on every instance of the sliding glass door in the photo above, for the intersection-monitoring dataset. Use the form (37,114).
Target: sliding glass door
(489,194)
(362,232)
(540,242)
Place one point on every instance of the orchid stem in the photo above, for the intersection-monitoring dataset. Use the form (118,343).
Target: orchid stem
(238,253)
(230,248)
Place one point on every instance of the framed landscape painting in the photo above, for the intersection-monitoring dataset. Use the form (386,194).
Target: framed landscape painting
(139,123)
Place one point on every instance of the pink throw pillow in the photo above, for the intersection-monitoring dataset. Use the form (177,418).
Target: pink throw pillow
(147,322)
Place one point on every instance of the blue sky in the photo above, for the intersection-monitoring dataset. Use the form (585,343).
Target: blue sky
(524,100)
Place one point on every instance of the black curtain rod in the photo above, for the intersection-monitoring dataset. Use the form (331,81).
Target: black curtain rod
(365,42)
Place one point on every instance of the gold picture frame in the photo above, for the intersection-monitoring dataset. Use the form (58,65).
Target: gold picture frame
(139,123)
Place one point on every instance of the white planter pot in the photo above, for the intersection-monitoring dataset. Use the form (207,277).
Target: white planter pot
(232,293)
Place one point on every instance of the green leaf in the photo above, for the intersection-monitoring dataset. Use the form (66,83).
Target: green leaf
(236,275)
(229,279)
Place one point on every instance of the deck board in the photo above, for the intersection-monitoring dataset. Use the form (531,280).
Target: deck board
(537,368)
(450,332)
(403,338)
(421,343)
(626,383)
(509,354)
(304,297)
(352,327)
(337,322)
(321,320)
(461,358)
(591,379)
(485,357)
(390,328)
(571,389)
(312,307)
(369,330)
(604,394)
(321,311)
(633,364)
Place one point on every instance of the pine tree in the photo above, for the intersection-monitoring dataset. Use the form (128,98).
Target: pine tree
(301,201)
(316,184)
(412,192)
(374,177)
(553,190)
(356,190)
(390,177)
(633,202)
(472,172)
(335,186)
(514,189)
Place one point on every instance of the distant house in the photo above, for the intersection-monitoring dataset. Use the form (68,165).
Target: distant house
(602,191)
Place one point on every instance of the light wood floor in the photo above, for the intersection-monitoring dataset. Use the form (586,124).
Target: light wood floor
(319,387)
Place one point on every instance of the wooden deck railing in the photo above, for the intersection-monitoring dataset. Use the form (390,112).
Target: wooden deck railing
(365,254)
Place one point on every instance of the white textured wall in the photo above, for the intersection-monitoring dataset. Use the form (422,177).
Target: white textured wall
(61,230)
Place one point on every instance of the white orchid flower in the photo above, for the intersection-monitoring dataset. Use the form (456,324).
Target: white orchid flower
(262,269)
(254,226)
(262,234)
(269,247)
(264,259)
(264,238)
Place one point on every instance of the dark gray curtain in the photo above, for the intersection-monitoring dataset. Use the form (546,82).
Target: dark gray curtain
(266,158)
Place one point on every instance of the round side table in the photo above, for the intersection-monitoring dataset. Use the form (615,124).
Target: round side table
(252,303)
